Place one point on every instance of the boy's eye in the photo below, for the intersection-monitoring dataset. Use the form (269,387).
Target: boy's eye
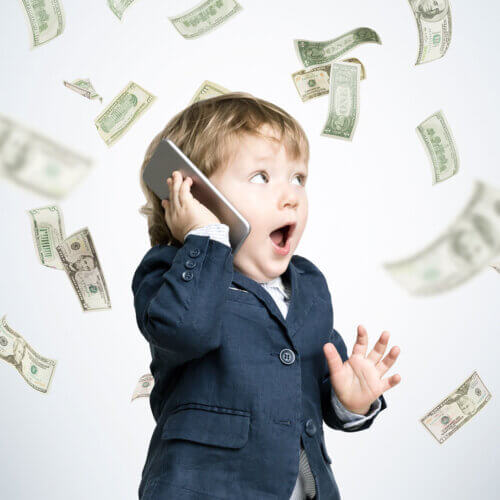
(302,179)
(257,174)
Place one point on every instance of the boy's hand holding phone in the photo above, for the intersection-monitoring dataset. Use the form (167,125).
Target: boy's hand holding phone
(357,382)
(183,212)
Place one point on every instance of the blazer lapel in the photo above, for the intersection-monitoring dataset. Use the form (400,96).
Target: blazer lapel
(301,298)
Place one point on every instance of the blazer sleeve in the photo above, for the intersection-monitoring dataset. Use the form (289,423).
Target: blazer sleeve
(178,305)
(330,416)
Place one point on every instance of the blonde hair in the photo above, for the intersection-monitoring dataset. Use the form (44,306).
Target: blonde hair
(203,131)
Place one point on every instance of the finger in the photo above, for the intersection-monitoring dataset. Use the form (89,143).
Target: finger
(184,191)
(389,360)
(335,363)
(379,348)
(390,382)
(361,341)
(166,205)
(174,196)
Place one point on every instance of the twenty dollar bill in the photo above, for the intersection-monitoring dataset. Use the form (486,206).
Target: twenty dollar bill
(457,409)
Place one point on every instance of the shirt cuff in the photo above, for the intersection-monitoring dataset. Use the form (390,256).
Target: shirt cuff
(218,232)
(350,419)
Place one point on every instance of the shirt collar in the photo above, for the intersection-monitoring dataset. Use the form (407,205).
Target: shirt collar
(278,284)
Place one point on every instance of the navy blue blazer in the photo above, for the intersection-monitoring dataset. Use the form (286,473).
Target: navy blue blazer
(237,386)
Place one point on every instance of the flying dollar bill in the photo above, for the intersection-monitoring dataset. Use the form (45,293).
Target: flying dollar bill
(315,81)
(144,387)
(36,370)
(437,139)
(83,87)
(118,7)
(37,162)
(47,227)
(315,53)
(343,105)
(457,409)
(469,244)
(45,18)
(123,112)
(361,65)
(434,28)
(496,265)
(79,258)
(208,89)
(205,17)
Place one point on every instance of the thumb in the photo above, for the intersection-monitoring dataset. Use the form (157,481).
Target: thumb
(335,363)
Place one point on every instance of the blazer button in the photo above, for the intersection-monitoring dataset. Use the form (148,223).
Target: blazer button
(194,252)
(310,428)
(287,356)
(187,275)
(190,264)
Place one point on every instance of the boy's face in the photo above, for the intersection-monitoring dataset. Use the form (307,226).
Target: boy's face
(267,187)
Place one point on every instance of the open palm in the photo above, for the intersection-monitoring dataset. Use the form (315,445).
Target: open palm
(358,381)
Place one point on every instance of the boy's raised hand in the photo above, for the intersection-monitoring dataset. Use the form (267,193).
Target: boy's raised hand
(183,212)
(358,381)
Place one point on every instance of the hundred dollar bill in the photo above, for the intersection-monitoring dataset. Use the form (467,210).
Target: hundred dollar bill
(208,89)
(46,20)
(206,16)
(36,370)
(434,28)
(469,244)
(315,81)
(435,134)
(118,7)
(457,409)
(79,258)
(37,162)
(83,87)
(143,387)
(47,227)
(123,112)
(343,105)
(315,53)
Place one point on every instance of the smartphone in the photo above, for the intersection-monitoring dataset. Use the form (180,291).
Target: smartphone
(167,158)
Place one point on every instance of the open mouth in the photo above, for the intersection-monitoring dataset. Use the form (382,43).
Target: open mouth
(282,235)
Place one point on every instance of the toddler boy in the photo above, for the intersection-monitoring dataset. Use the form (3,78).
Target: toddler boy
(246,362)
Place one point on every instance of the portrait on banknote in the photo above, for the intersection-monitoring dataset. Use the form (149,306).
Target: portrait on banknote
(431,10)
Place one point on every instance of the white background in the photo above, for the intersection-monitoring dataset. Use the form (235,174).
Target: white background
(371,201)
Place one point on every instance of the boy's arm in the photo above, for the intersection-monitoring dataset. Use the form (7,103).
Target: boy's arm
(330,415)
(179,310)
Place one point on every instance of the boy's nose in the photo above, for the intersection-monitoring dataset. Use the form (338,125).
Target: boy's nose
(288,198)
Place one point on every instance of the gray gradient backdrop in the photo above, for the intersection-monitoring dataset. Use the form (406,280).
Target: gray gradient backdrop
(371,201)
